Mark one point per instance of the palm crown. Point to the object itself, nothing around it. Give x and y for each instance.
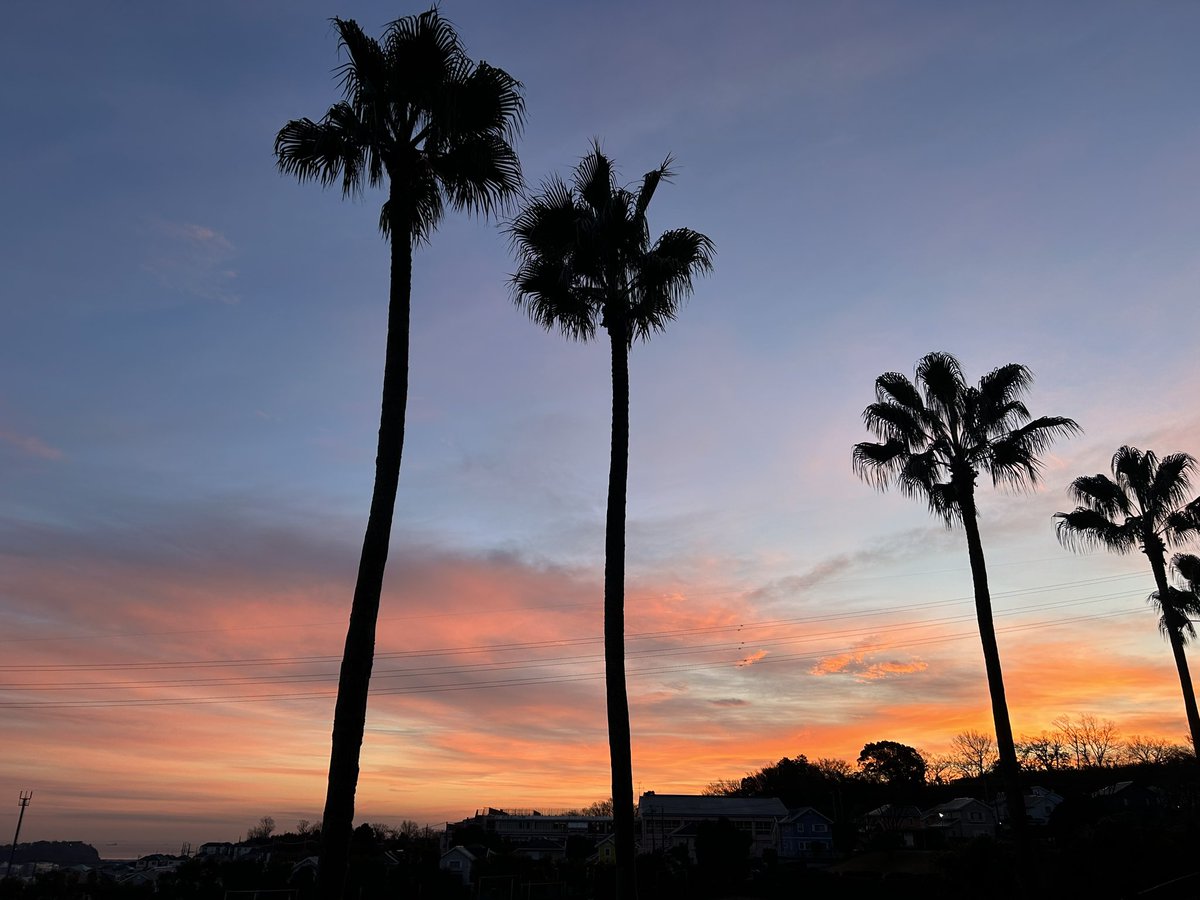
(586, 259)
(419, 111)
(938, 434)
(1143, 506)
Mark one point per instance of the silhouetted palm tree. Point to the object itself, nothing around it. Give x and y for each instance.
(936, 436)
(586, 261)
(421, 120)
(1144, 506)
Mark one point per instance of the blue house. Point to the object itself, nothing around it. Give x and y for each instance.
(805, 834)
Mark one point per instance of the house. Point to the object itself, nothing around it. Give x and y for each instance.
(458, 861)
(670, 820)
(806, 834)
(1040, 804)
(542, 848)
(961, 819)
(1126, 796)
(216, 848)
(521, 826)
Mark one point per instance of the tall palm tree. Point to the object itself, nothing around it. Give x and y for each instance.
(935, 437)
(1144, 506)
(586, 261)
(434, 129)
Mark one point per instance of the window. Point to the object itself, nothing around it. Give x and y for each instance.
(819, 827)
(976, 817)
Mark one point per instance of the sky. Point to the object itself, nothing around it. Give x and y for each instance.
(191, 358)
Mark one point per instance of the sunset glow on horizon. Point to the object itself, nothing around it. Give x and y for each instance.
(193, 352)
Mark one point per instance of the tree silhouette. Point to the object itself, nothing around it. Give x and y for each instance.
(935, 437)
(1143, 506)
(586, 261)
(893, 763)
(420, 119)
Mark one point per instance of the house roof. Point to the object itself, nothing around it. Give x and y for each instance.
(701, 807)
(796, 815)
(957, 805)
(1111, 789)
(895, 811)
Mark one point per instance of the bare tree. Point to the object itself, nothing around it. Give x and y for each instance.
(1141, 749)
(725, 787)
(262, 830)
(1092, 741)
(409, 829)
(599, 808)
(973, 754)
(938, 766)
(1046, 752)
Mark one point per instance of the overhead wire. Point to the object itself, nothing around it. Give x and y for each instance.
(732, 653)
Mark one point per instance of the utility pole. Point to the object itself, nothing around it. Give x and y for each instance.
(25, 797)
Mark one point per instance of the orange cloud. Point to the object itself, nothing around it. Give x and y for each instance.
(860, 667)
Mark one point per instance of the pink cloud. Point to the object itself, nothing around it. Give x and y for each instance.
(30, 445)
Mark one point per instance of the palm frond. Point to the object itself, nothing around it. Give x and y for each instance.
(650, 182)
(1133, 470)
(325, 152)
(942, 378)
(878, 463)
(1086, 528)
(548, 224)
(1181, 526)
(595, 179)
(664, 279)
(943, 503)
(1171, 482)
(888, 420)
(1101, 494)
(920, 475)
(424, 54)
(1004, 384)
(480, 174)
(894, 387)
(363, 78)
(1013, 458)
(1187, 567)
(551, 297)
(1176, 613)
(488, 101)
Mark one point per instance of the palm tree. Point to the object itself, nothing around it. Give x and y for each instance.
(1143, 506)
(420, 119)
(935, 437)
(586, 261)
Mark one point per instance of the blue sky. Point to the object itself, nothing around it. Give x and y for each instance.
(192, 351)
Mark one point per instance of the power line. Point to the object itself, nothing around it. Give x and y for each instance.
(735, 643)
(539, 679)
(563, 642)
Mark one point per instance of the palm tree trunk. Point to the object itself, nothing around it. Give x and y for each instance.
(358, 656)
(1010, 772)
(1159, 566)
(617, 699)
